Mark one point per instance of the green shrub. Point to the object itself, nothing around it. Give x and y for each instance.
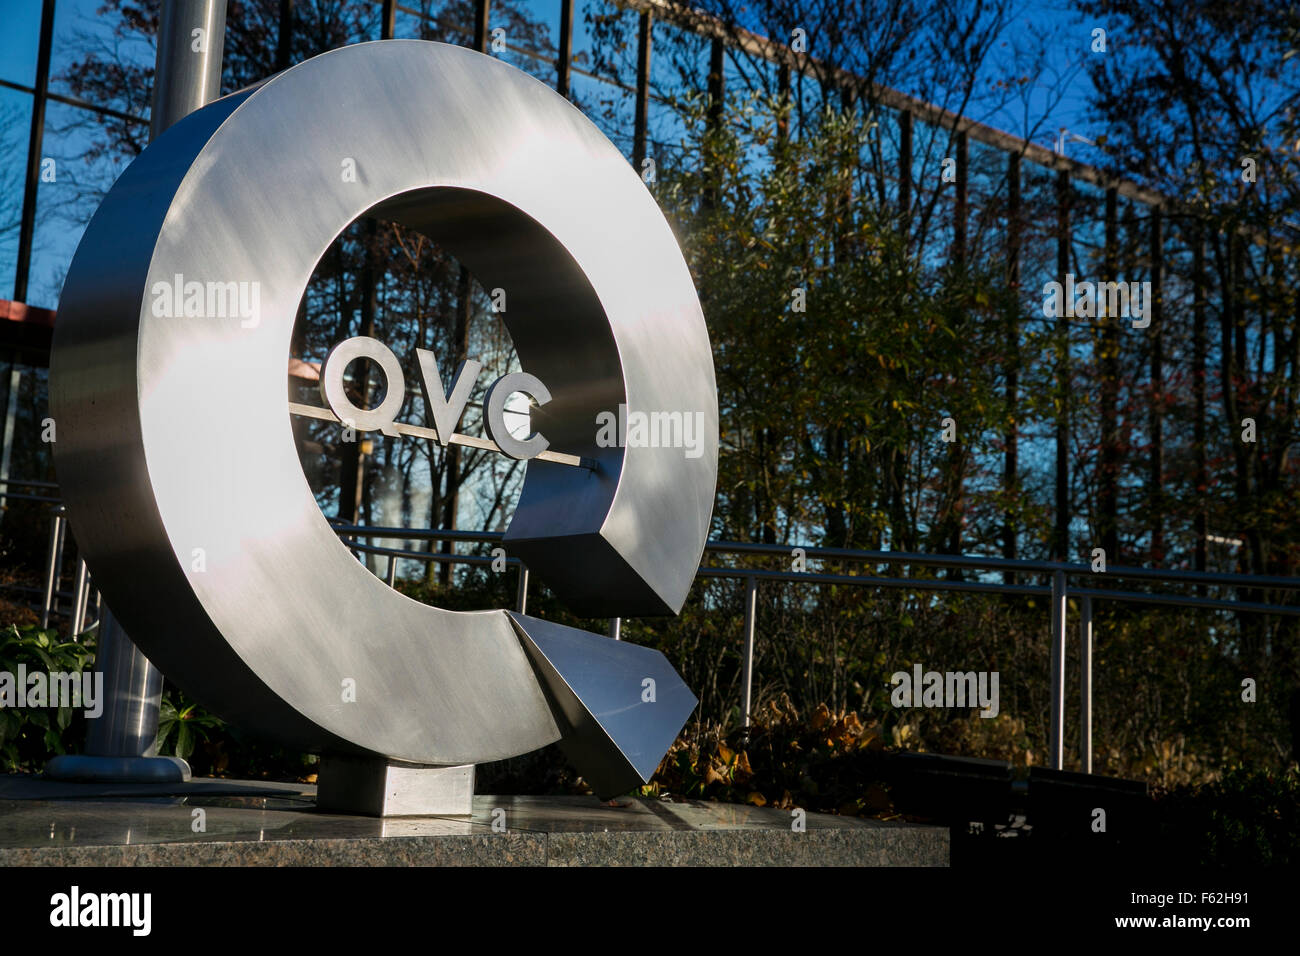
(1246, 818)
(30, 736)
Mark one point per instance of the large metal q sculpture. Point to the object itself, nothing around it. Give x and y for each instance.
(177, 460)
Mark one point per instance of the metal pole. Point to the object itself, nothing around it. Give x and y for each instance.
(84, 607)
(1156, 317)
(120, 744)
(392, 570)
(284, 41)
(1061, 528)
(1011, 439)
(58, 557)
(616, 628)
(11, 418)
(1056, 741)
(521, 596)
(566, 48)
(129, 728)
(27, 224)
(1085, 685)
(51, 566)
(186, 78)
(641, 121)
(482, 12)
(747, 669)
(78, 599)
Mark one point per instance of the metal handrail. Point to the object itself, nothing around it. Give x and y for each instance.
(1006, 564)
(972, 562)
(1059, 592)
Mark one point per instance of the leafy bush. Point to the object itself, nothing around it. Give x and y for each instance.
(183, 723)
(821, 762)
(31, 735)
(1246, 818)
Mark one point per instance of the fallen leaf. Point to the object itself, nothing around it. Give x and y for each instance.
(821, 717)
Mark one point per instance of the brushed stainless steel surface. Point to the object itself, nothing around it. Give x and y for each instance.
(187, 69)
(446, 407)
(379, 418)
(129, 727)
(121, 745)
(620, 705)
(494, 407)
(176, 455)
(377, 787)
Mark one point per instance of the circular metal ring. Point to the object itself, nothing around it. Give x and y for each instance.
(175, 451)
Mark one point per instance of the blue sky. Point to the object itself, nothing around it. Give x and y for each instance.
(1040, 115)
(57, 235)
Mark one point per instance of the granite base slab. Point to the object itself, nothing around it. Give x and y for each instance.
(253, 823)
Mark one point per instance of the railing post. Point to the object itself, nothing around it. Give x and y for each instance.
(1085, 685)
(616, 628)
(1061, 526)
(747, 671)
(52, 566)
(85, 601)
(78, 600)
(391, 580)
(1056, 741)
(11, 420)
(521, 596)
